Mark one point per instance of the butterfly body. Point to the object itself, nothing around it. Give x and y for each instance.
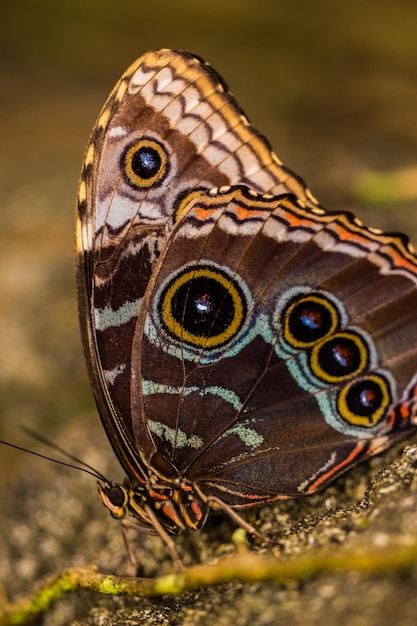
(243, 344)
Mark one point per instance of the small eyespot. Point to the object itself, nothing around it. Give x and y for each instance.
(145, 163)
(308, 320)
(203, 307)
(364, 402)
(340, 356)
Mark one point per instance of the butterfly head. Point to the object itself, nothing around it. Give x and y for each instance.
(115, 498)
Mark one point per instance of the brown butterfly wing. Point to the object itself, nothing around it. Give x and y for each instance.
(274, 353)
(169, 126)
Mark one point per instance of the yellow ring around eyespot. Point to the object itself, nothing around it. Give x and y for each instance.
(318, 370)
(196, 340)
(136, 180)
(289, 337)
(364, 420)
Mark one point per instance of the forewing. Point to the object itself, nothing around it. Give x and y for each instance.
(168, 127)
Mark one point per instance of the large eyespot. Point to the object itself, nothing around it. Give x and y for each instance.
(145, 163)
(202, 306)
(308, 320)
(364, 402)
(343, 355)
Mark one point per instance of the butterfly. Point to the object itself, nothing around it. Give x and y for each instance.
(243, 344)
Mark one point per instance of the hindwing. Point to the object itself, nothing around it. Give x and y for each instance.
(273, 350)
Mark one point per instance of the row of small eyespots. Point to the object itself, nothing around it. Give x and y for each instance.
(312, 322)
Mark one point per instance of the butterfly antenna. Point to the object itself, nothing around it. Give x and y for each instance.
(82, 465)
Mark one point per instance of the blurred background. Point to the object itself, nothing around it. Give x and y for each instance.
(332, 85)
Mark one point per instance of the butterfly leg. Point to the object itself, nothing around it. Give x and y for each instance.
(165, 538)
(217, 503)
(156, 530)
(130, 555)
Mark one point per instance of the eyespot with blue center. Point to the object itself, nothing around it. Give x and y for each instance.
(202, 307)
(200, 313)
(339, 356)
(145, 163)
(308, 319)
(364, 402)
